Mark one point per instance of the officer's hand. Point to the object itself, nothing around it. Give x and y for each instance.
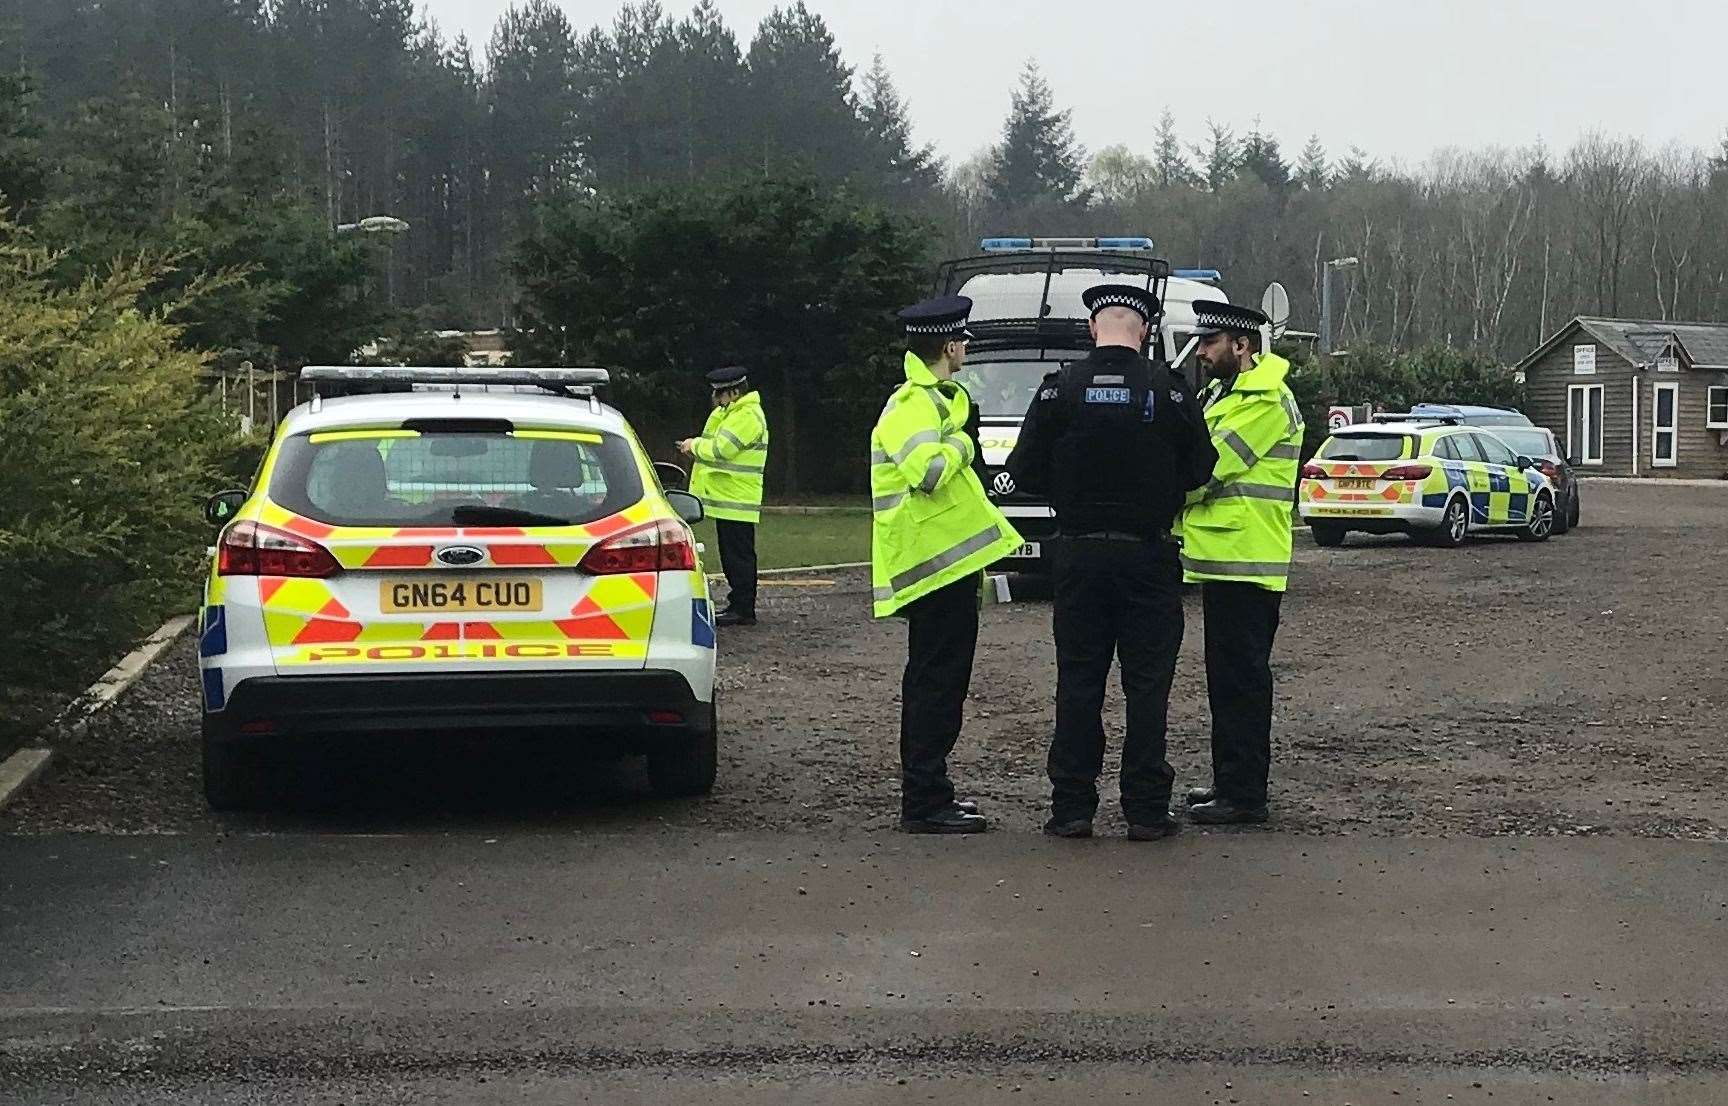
(684, 446)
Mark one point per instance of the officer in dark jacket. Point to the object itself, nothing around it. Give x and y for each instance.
(1116, 442)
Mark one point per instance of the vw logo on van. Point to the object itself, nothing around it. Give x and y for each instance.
(461, 556)
(1003, 484)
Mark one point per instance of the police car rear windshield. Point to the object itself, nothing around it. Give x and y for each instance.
(1366, 447)
(460, 477)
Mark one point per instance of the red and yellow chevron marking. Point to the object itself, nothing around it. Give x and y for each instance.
(402, 548)
(304, 612)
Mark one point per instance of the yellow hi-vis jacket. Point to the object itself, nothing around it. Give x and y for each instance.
(1237, 527)
(731, 456)
(932, 524)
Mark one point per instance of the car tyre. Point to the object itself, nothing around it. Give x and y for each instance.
(1573, 511)
(1454, 525)
(1563, 520)
(1327, 535)
(686, 769)
(233, 774)
(1541, 522)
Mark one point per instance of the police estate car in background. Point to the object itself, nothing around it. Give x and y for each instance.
(1436, 479)
(1028, 320)
(452, 557)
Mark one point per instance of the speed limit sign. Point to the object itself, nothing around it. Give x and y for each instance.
(1337, 418)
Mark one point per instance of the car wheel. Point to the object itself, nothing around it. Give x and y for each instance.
(1454, 525)
(1541, 522)
(685, 769)
(1327, 535)
(1572, 511)
(233, 774)
(1563, 520)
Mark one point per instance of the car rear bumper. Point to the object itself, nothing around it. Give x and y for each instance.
(1381, 518)
(613, 706)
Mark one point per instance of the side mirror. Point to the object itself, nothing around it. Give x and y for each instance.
(689, 508)
(1574, 461)
(1525, 462)
(221, 508)
(672, 478)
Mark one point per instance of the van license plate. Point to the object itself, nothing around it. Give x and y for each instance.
(459, 595)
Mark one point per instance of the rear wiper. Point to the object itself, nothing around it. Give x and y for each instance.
(479, 514)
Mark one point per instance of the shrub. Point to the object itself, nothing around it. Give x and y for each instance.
(108, 445)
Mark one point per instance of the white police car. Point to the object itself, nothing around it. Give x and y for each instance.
(451, 557)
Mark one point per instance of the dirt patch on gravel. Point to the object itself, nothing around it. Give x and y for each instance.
(1569, 688)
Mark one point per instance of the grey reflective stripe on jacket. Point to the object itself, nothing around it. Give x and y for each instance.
(729, 505)
(732, 466)
(922, 571)
(1278, 569)
(1277, 493)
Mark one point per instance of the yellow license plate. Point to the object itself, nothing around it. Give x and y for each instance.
(1356, 484)
(459, 595)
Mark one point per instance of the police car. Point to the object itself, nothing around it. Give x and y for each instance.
(1028, 320)
(1434, 479)
(476, 549)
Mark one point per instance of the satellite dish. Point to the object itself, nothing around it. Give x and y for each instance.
(1275, 305)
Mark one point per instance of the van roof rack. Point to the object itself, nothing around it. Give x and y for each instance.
(361, 379)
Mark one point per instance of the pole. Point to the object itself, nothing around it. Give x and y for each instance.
(1326, 309)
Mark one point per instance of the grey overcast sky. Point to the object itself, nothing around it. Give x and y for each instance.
(1396, 77)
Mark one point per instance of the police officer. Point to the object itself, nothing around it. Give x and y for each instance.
(933, 531)
(731, 457)
(1116, 442)
(1236, 545)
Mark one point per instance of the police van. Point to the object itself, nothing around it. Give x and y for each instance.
(1028, 320)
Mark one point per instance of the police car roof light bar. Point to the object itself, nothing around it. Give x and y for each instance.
(1008, 245)
(577, 382)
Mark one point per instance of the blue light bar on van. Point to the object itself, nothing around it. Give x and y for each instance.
(1004, 245)
(1208, 276)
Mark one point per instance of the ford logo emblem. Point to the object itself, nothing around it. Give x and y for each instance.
(1003, 484)
(461, 556)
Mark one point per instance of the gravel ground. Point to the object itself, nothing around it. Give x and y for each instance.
(1570, 688)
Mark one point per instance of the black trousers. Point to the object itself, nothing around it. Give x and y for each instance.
(1241, 621)
(1114, 599)
(738, 562)
(942, 635)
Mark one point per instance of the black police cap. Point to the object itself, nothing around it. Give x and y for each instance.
(1138, 300)
(1218, 317)
(939, 316)
(732, 376)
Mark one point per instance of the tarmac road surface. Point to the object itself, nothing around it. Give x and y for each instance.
(542, 968)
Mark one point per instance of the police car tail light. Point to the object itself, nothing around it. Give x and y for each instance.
(1313, 472)
(664, 546)
(1406, 472)
(253, 549)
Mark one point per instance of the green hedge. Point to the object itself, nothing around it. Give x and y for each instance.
(108, 446)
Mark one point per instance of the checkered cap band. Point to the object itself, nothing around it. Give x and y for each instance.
(1119, 299)
(952, 327)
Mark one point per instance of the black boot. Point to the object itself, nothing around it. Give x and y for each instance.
(1154, 831)
(952, 820)
(1073, 828)
(1227, 812)
(1198, 795)
(730, 617)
